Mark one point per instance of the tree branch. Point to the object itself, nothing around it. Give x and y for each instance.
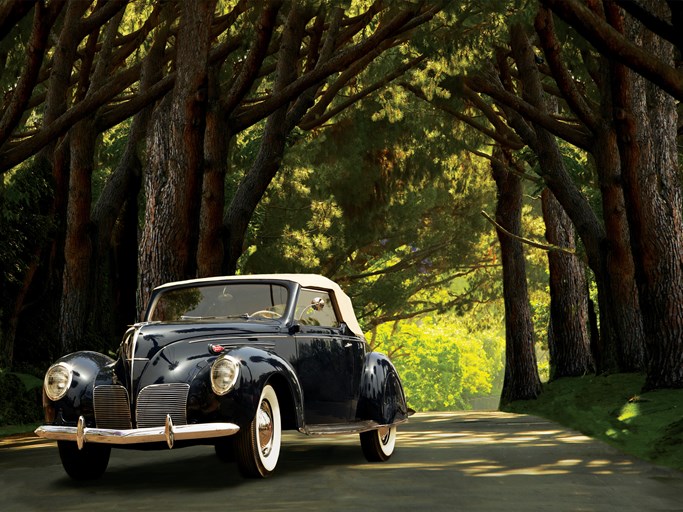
(611, 42)
(569, 133)
(551, 47)
(532, 243)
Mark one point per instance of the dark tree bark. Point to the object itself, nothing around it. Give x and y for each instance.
(168, 245)
(210, 251)
(77, 277)
(78, 290)
(620, 343)
(646, 121)
(57, 153)
(521, 371)
(216, 151)
(619, 273)
(272, 148)
(114, 217)
(44, 18)
(569, 339)
(611, 42)
(627, 321)
(11, 13)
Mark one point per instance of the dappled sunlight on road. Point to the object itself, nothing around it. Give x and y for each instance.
(469, 461)
(534, 438)
(448, 440)
(26, 442)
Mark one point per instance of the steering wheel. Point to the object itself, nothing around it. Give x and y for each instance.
(267, 313)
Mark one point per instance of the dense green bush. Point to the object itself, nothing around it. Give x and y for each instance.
(20, 399)
(444, 365)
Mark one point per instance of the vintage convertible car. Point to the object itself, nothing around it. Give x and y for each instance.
(229, 361)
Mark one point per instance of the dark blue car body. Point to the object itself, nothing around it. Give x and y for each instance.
(294, 364)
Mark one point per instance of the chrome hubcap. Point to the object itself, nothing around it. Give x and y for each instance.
(384, 434)
(264, 425)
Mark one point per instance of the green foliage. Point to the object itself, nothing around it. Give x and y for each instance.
(443, 364)
(384, 202)
(20, 398)
(109, 153)
(613, 408)
(25, 198)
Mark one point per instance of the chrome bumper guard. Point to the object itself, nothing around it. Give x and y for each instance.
(169, 433)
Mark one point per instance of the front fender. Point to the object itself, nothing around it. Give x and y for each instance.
(381, 393)
(89, 369)
(257, 368)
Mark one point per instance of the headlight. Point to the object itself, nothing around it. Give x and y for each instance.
(224, 374)
(57, 381)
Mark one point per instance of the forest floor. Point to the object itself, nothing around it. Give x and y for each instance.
(614, 409)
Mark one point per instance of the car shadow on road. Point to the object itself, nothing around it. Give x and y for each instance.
(131, 471)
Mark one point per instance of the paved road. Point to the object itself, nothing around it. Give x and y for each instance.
(477, 461)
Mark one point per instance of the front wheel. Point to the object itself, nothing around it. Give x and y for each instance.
(258, 447)
(89, 463)
(378, 445)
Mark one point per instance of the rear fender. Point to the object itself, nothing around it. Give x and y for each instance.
(381, 394)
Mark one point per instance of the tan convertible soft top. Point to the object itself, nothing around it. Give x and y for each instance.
(305, 280)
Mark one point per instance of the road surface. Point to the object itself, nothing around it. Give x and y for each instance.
(471, 461)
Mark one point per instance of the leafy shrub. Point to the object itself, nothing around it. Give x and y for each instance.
(20, 399)
(443, 365)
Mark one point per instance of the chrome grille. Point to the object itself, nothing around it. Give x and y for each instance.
(156, 401)
(112, 407)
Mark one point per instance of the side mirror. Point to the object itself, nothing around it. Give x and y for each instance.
(294, 328)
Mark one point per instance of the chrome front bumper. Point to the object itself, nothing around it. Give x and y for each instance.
(169, 433)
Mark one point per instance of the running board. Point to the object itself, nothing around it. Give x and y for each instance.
(332, 429)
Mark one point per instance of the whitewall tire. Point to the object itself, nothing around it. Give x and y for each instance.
(258, 447)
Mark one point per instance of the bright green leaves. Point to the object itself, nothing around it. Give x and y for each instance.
(444, 365)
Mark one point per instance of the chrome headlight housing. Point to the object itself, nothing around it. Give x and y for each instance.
(57, 381)
(224, 374)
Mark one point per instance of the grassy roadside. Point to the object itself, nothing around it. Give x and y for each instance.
(613, 408)
(9, 430)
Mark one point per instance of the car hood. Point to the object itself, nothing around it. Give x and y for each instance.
(153, 337)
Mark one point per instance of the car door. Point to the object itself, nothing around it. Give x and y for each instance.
(325, 360)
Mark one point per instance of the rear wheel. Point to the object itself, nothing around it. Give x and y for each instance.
(89, 463)
(378, 445)
(257, 448)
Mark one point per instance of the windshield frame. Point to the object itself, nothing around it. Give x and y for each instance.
(229, 317)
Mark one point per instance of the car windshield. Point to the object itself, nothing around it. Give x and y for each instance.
(220, 302)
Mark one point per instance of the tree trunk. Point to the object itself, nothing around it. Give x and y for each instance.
(123, 272)
(216, 150)
(569, 340)
(168, 245)
(646, 121)
(272, 148)
(76, 281)
(619, 313)
(521, 372)
(625, 314)
(115, 214)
